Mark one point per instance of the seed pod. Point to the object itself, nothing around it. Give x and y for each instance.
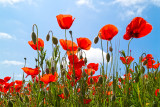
(54, 40)
(145, 62)
(108, 57)
(110, 49)
(85, 60)
(47, 37)
(142, 70)
(47, 70)
(66, 92)
(53, 70)
(33, 36)
(96, 39)
(100, 80)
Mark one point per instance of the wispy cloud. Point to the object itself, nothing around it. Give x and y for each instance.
(92, 55)
(18, 75)
(6, 36)
(13, 2)
(16, 63)
(156, 2)
(88, 3)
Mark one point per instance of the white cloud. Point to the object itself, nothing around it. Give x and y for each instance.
(156, 2)
(7, 62)
(88, 3)
(128, 2)
(13, 2)
(18, 75)
(5, 36)
(94, 55)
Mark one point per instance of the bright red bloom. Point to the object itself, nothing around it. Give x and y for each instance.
(64, 21)
(2, 81)
(34, 46)
(18, 82)
(84, 43)
(156, 66)
(93, 66)
(6, 79)
(47, 78)
(156, 92)
(90, 71)
(67, 45)
(95, 79)
(137, 28)
(107, 32)
(86, 101)
(127, 60)
(31, 71)
(78, 74)
(150, 61)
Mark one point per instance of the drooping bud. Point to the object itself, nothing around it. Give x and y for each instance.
(70, 32)
(142, 69)
(79, 49)
(84, 73)
(137, 79)
(33, 36)
(85, 60)
(108, 57)
(52, 70)
(66, 92)
(145, 62)
(81, 56)
(100, 80)
(47, 70)
(47, 37)
(63, 71)
(54, 40)
(110, 49)
(96, 39)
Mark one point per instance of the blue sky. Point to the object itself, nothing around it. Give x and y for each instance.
(18, 16)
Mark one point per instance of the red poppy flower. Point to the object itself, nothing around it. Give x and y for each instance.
(67, 45)
(127, 60)
(107, 32)
(2, 81)
(19, 82)
(31, 71)
(78, 74)
(90, 71)
(95, 79)
(84, 43)
(137, 28)
(156, 92)
(64, 21)
(86, 101)
(6, 79)
(150, 60)
(47, 78)
(34, 46)
(93, 66)
(156, 66)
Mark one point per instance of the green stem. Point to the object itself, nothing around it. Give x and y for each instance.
(128, 46)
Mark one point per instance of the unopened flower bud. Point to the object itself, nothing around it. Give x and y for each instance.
(108, 57)
(110, 49)
(142, 69)
(84, 73)
(63, 72)
(61, 66)
(79, 49)
(70, 32)
(47, 70)
(66, 92)
(81, 56)
(96, 39)
(52, 70)
(54, 40)
(91, 80)
(47, 37)
(100, 80)
(145, 62)
(33, 36)
(85, 60)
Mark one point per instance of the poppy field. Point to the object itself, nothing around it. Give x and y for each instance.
(70, 81)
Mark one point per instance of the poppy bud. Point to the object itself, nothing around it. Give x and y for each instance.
(145, 62)
(108, 57)
(70, 32)
(61, 66)
(47, 70)
(85, 60)
(79, 49)
(113, 98)
(91, 80)
(110, 49)
(66, 92)
(142, 69)
(52, 70)
(54, 40)
(123, 53)
(33, 36)
(81, 57)
(100, 80)
(137, 79)
(47, 37)
(63, 72)
(96, 39)
(84, 73)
